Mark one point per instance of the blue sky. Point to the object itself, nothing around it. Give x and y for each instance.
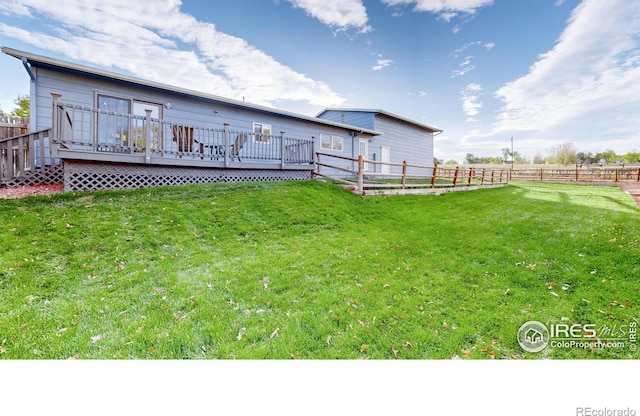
(544, 72)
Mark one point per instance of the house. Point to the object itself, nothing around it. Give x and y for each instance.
(95, 129)
(403, 140)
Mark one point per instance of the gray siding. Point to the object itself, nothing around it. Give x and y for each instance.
(407, 142)
(81, 90)
(355, 118)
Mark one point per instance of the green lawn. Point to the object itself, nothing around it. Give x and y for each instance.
(307, 270)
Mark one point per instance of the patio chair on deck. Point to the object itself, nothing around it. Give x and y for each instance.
(184, 136)
(234, 149)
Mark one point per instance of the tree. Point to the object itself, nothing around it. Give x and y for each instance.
(585, 157)
(608, 155)
(538, 159)
(631, 157)
(565, 154)
(23, 102)
(451, 162)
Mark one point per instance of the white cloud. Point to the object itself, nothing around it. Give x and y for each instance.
(593, 72)
(464, 67)
(343, 14)
(142, 38)
(381, 64)
(489, 45)
(446, 9)
(470, 100)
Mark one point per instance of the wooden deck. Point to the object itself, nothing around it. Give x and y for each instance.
(140, 146)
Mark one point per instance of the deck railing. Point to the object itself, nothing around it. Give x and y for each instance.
(370, 176)
(86, 129)
(26, 155)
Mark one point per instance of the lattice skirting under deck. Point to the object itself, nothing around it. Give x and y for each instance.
(88, 176)
(48, 175)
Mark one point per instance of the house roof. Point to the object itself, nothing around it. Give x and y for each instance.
(427, 127)
(47, 62)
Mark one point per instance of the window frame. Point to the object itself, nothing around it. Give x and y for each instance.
(262, 137)
(336, 143)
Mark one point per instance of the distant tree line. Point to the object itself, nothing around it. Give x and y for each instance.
(565, 154)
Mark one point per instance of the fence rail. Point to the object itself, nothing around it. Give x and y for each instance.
(366, 179)
(604, 174)
(11, 126)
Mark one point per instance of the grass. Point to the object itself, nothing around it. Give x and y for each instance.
(307, 270)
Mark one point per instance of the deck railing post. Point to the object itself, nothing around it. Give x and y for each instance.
(55, 117)
(282, 150)
(226, 145)
(404, 173)
(147, 133)
(455, 176)
(360, 174)
(433, 177)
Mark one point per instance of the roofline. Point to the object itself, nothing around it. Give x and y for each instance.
(428, 127)
(65, 65)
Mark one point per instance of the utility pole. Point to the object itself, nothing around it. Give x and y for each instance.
(512, 155)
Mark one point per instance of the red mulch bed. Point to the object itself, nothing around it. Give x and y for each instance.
(12, 192)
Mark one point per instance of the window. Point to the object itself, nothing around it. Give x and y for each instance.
(113, 130)
(117, 129)
(261, 132)
(331, 142)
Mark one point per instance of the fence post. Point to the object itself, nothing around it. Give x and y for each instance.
(576, 173)
(616, 174)
(540, 173)
(404, 173)
(470, 176)
(360, 174)
(638, 174)
(493, 174)
(482, 179)
(282, 149)
(226, 145)
(455, 176)
(433, 177)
